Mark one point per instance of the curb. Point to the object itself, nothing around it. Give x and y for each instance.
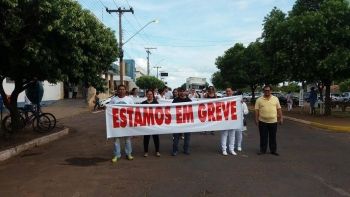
(6, 154)
(332, 128)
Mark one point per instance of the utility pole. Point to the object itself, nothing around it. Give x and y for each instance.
(157, 67)
(148, 52)
(120, 11)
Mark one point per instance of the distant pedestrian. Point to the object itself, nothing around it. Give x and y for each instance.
(267, 113)
(313, 100)
(289, 98)
(168, 94)
(146, 138)
(161, 94)
(176, 136)
(75, 91)
(97, 101)
(121, 98)
(193, 94)
(134, 93)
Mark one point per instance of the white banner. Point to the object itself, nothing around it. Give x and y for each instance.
(165, 118)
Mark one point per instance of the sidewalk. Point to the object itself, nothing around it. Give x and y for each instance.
(26, 139)
(338, 121)
(66, 108)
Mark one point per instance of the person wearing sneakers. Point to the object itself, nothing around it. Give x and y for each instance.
(238, 133)
(150, 100)
(121, 98)
(176, 136)
(267, 113)
(228, 135)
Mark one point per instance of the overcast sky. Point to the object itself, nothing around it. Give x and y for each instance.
(190, 34)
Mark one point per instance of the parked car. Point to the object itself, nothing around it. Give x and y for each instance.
(335, 97)
(345, 97)
(248, 96)
(282, 99)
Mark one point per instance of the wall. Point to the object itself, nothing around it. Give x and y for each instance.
(51, 91)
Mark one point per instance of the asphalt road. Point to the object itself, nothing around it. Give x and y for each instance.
(312, 163)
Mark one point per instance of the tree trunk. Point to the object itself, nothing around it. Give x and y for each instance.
(320, 87)
(11, 104)
(328, 107)
(253, 88)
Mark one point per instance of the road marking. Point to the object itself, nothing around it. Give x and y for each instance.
(95, 112)
(336, 189)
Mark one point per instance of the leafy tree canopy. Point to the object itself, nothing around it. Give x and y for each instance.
(51, 40)
(149, 82)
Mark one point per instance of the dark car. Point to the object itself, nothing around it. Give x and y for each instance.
(282, 99)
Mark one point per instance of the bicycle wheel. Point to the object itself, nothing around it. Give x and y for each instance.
(8, 126)
(41, 123)
(52, 119)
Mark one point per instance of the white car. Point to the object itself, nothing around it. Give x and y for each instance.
(106, 101)
(335, 97)
(345, 97)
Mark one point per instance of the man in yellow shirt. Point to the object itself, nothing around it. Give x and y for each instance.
(267, 113)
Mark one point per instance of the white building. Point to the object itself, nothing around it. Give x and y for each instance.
(52, 92)
(196, 83)
(140, 72)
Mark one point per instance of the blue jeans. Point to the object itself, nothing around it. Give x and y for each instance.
(128, 148)
(186, 146)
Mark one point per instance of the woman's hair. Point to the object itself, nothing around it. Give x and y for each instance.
(150, 90)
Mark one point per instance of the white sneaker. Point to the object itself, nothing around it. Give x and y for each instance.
(233, 152)
(239, 149)
(224, 153)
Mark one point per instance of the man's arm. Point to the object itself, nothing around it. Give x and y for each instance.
(256, 116)
(280, 116)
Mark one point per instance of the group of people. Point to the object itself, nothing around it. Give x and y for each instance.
(267, 114)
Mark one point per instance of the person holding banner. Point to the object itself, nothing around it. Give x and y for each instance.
(267, 113)
(175, 93)
(228, 135)
(239, 133)
(176, 136)
(210, 95)
(121, 98)
(146, 138)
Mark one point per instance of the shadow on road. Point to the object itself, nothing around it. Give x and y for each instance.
(80, 161)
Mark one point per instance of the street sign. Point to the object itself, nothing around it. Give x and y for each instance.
(162, 74)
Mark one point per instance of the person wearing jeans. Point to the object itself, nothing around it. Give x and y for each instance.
(121, 98)
(176, 136)
(267, 113)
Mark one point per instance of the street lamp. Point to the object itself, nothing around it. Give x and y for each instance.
(121, 70)
(153, 21)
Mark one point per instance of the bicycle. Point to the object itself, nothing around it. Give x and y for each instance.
(41, 122)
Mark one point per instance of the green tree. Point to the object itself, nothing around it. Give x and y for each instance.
(218, 81)
(315, 43)
(344, 86)
(51, 40)
(249, 66)
(149, 82)
(291, 87)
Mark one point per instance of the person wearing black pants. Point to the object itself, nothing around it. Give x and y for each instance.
(267, 113)
(150, 100)
(146, 139)
(268, 136)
